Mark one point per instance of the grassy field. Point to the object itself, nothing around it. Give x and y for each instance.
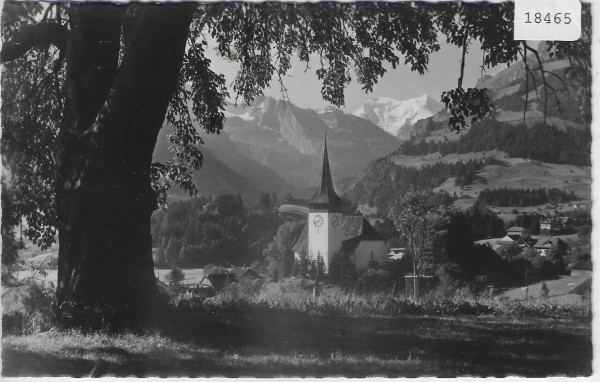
(288, 343)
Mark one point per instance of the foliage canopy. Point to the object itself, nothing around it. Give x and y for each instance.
(345, 41)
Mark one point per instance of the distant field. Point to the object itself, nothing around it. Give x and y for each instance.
(418, 161)
(559, 289)
(522, 174)
(192, 276)
(275, 343)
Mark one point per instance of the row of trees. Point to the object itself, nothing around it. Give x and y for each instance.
(537, 142)
(384, 181)
(512, 197)
(211, 230)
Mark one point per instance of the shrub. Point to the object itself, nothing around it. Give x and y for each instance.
(175, 277)
(544, 291)
(287, 297)
(245, 289)
(33, 312)
(584, 230)
(375, 280)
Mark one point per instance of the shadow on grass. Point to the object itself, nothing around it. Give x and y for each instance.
(279, 343)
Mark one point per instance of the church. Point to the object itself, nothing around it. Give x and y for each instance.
(330, 234)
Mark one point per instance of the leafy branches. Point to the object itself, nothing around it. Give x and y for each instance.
(262, 37)
(198, 103)
(40, 35)
(466, 106)
(418, 222)
(33, 104)
(490, 24)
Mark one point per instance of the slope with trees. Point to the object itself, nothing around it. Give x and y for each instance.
(212, 230)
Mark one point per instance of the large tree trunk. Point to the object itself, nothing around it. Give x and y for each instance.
(104, 194)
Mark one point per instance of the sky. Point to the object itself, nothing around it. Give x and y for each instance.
(304, 89)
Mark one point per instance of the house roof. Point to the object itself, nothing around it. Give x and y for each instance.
(489, 242)
(544, 242)
(241, 272)
(354, 230)
(396, 253)
(506, 240)
(527, 240)
(564, 219)
(515, 230)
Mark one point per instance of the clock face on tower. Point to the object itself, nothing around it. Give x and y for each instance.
(335, 221)
(318, 221)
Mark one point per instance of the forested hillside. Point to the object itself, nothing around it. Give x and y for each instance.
(572, 146)
(510, 197)
(383, 182)
(388, 178)
(212, 230)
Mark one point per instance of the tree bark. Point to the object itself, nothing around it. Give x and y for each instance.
(104, 194)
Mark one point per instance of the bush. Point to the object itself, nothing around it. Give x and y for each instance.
(175, 277)
(374, 280)
(245, 289)
(544, 291)
(584, 230)
(335, 302)
(33, 312)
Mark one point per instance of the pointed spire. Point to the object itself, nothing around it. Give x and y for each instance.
(326, 196)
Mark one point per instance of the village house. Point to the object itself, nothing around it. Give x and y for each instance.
(543, 245)
(396, 254)
(552, 225)
(547, 226)
(515, 233)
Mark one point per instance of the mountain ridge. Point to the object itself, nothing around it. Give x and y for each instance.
(396, 117)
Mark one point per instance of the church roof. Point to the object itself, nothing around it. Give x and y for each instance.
(326, 194)
(354, 230)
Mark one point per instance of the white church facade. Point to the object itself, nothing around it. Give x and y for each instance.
(330, 234)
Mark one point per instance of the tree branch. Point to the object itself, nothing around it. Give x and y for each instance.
(34, 36)
(464, 53)
(544, 82)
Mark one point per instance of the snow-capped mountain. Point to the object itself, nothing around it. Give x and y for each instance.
(396, 117)
(289, 139)
(276, 146)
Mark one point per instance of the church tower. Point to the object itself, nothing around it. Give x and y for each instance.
(325, 218)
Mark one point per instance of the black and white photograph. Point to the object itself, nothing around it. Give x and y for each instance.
(297, 189)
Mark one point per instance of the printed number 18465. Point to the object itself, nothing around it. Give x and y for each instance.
(538, 18)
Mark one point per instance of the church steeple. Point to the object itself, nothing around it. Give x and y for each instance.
(326, 197)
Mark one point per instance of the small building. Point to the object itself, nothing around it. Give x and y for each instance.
(396, 254)
(481, 278)
(543, 245)
(506, 240)
(514, 233)
(547, 226)
(492, 243)
(221, 279)
(526, 242)
(565, 223)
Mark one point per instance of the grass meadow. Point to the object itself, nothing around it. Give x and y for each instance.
(280, 332)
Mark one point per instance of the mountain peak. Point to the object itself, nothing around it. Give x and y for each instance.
(392, 115)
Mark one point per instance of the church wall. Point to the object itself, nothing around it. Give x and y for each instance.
(363, 253)
(324, 236)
